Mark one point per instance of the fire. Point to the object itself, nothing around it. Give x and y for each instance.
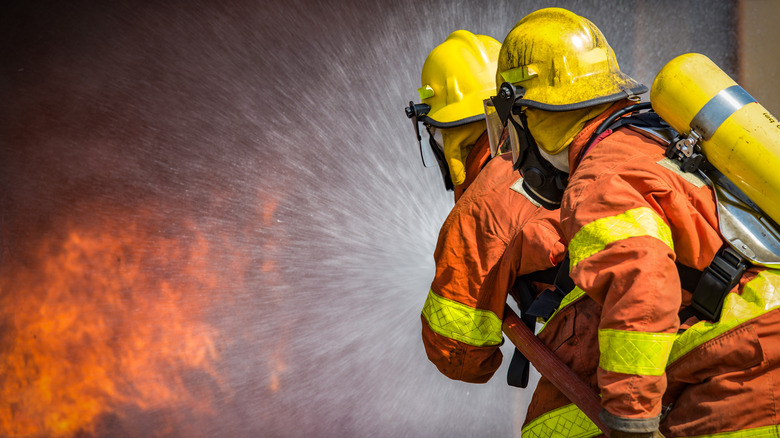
(103, 320)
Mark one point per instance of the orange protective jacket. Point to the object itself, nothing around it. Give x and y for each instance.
(462, 316)
(628, 215)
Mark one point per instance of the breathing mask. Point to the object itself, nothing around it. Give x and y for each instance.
(541, 180)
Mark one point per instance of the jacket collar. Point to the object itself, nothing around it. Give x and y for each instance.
(576, 148)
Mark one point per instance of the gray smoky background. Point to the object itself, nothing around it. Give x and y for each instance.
(214, 220)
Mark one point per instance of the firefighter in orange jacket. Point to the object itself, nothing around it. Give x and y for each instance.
(461, 323)
(630, 217)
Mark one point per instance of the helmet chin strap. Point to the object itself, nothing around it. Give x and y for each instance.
(541, 179)
(442, 162)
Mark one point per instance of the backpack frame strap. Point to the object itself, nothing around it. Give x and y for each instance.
(716, 282)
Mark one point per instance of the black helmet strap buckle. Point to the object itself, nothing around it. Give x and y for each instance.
(505, 100)
(415, 112)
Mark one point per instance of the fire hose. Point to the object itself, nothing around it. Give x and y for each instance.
(552, 367)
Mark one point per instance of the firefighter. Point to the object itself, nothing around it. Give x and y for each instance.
(462, 316)
(631, 220)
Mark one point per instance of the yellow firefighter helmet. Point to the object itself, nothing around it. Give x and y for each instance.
(562, 62)
(457, 76)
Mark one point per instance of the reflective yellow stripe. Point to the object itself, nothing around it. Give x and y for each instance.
(460, 322)
(759, 432)
(632, 352)
(518, 74)
(759, 296)
(568, 299)
(596, 235)
(425, 92)
(568, 421)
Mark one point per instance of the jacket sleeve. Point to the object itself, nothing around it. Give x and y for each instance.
(622, 254)
(462, 315)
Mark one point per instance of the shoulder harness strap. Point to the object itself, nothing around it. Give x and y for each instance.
(532, 307)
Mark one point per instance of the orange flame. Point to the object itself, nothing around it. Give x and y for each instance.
(102, 319)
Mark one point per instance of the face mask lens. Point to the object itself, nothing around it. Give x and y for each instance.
(495, 128)
(436, 134)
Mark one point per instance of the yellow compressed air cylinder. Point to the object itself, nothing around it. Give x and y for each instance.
(739, 136)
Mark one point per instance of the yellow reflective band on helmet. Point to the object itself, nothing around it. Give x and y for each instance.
(568, 421)
(596, 235)
(571, 297)
(759, 432)
(518, 74)
(759, 296)
(425, 92)
(632, 352)
(462, 323)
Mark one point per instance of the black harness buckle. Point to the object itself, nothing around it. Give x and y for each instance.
(716, 281)
(550, 299)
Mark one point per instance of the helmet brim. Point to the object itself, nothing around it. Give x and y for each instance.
(601, 88)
